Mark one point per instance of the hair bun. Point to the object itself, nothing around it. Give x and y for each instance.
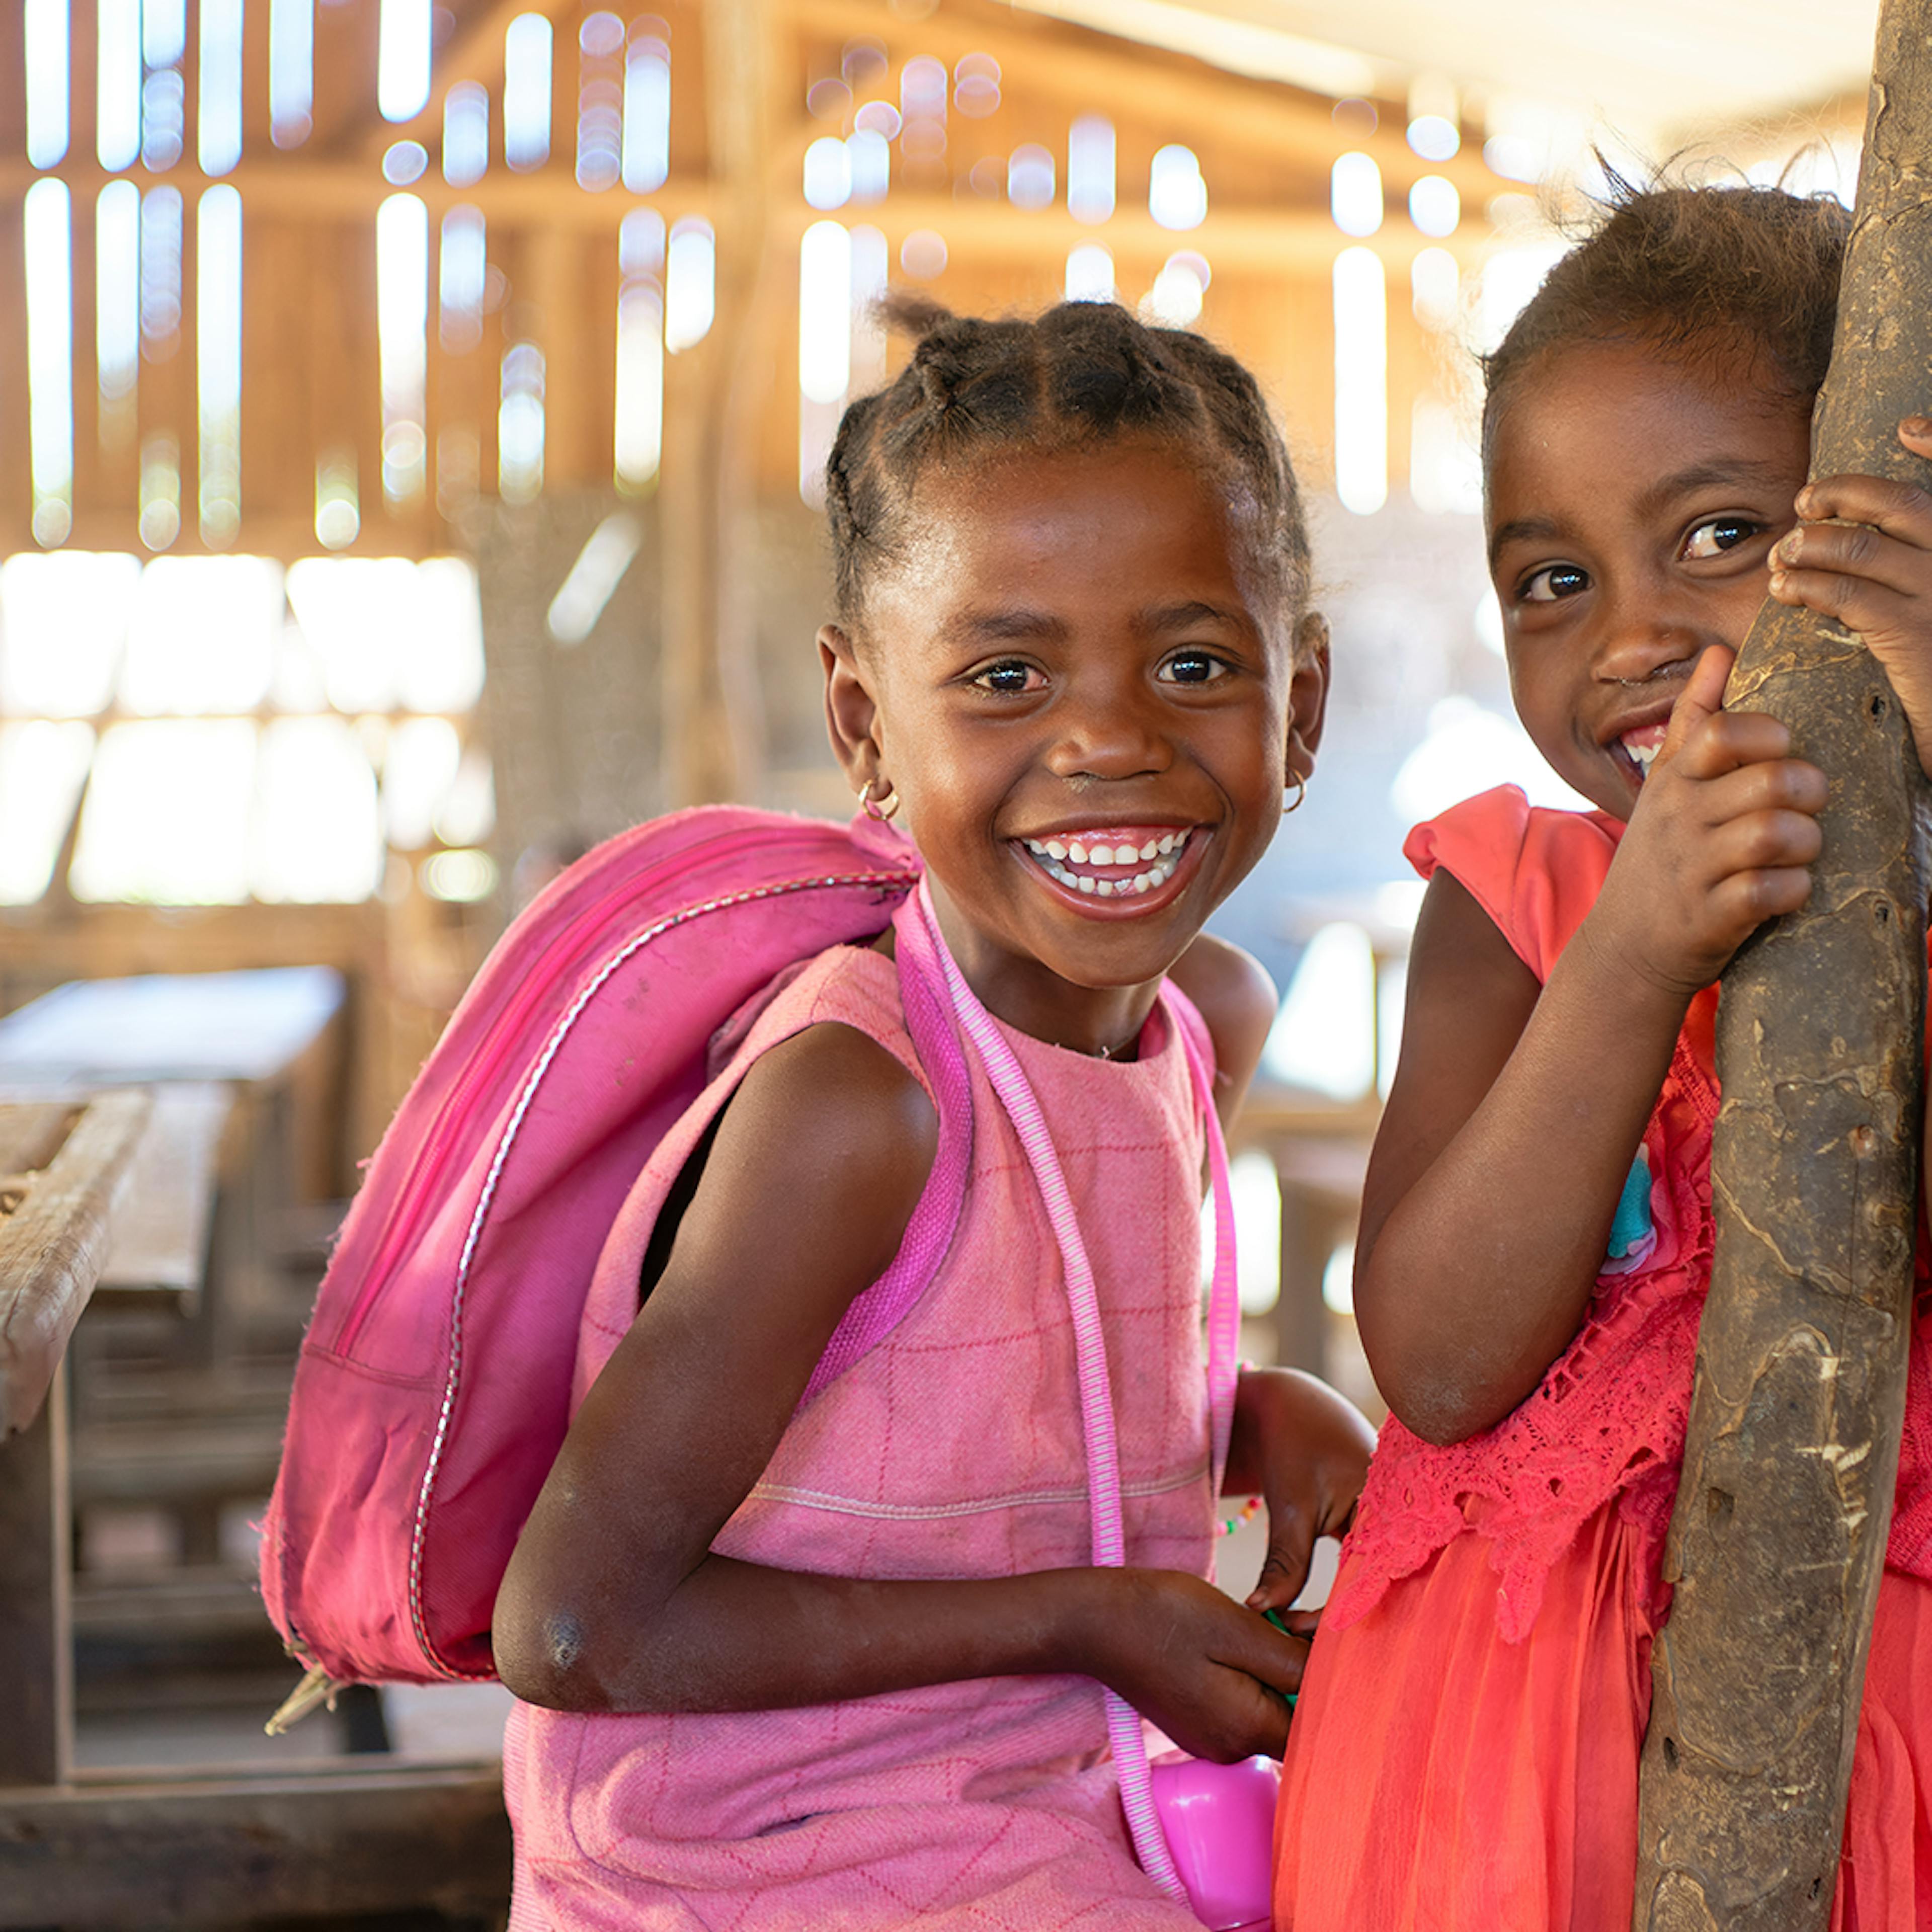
(904, 313)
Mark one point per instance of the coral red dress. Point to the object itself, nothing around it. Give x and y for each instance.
(1464, 1756)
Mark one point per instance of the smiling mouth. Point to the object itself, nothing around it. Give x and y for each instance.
(1641, 746)
(1124, 864)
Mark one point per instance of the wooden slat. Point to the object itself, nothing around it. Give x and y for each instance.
(52, 1247)
(160, 1230)
(203, 1851)
(36, 1644)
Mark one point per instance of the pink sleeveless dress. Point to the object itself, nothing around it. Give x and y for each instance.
(1464, 1755)
(953, 1449)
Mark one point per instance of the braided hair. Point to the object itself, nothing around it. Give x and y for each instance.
(1082, 373)
(1704, 272)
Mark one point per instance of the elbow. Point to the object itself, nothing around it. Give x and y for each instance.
(544, 1656)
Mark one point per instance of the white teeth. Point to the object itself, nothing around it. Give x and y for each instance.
(1165, 852)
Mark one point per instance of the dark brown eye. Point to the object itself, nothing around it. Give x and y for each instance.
(1719, 535)
(1552, 583)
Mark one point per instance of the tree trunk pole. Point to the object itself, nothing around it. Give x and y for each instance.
(1783, 1506)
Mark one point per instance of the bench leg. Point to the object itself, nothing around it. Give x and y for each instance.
(36, 1615)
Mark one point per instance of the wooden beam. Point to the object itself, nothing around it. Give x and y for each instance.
(36, 1637)
(53, 1240)
(1778, 1539)
(186, 1853)
(1090, 72)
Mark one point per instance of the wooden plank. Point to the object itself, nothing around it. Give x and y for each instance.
(160, 1228)
(36, 1644)
(139, 1462)
(51, 1246)
(197, 1852)
(31, 1134)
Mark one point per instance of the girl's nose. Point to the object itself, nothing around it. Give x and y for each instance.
(1113, 734)
(1636, 645)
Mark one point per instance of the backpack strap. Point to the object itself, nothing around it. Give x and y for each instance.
(1009, 1080)
(879, 1309)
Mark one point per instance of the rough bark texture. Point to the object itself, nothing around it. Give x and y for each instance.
(1783, 1509)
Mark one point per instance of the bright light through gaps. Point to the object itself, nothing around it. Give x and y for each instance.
(593, 579)
(1434, 205)
(47, 225)
(870, 156)
(163, 32)
(1177, 195)
(316, 832)
(1324, 1036)
(520, 425)
(690, 284)
(828, 173)
(291, 70)
(117, 98)
(218, 109)
(1355, 194)
(1089, 169)
(218, 358)
(872, 265)
(203, 636)
(526, 58)
(1361, 381)
(1090, 274)
(824, 312)
(1435, 282)
(1445, 470)
(646, 115)
(640, 411)
(1175, 299)
(166, 818)
(160, 271)
(465, 133)
(42, 766)
(463, 267)
(402, 329)
(117, 305)
(63, 623)
(1030, 176)
(403, 59)
(48, 58)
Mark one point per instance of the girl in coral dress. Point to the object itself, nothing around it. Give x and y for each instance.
(1536, 1233)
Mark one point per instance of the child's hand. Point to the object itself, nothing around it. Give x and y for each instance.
(1723, 828)
(1304, 1450)
(1215, 1677)
(1871, 568)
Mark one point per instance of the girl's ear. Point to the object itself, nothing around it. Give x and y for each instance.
(1307, 695)
(851, 712)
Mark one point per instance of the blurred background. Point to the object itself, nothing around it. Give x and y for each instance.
(411, 413)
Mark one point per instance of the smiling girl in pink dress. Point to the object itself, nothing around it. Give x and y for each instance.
(840, 1663)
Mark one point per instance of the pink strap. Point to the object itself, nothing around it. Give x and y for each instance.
(1096, 1408)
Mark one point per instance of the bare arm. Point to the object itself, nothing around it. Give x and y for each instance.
(1515, 1112)
(613, 1600)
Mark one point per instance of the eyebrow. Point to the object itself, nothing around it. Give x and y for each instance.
(997, 627)
(1743, 473)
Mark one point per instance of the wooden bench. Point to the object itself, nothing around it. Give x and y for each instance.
(166, 1850)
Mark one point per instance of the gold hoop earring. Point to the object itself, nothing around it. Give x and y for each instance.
(1300, 793)
(881, 808)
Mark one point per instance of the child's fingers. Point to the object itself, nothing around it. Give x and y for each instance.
(1290, 1544)
(1702, 697)
(1860, 603)
(1745, 900)
(1898, 509)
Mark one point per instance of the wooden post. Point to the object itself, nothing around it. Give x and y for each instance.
(710, 733)
(1785, 1500)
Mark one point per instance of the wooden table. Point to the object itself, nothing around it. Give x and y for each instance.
(63, 1166)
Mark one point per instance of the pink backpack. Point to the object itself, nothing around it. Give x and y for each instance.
(432, 1391)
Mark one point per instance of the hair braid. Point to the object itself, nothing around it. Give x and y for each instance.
(1080, 373)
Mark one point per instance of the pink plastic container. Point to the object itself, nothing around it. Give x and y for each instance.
(1219, 1819)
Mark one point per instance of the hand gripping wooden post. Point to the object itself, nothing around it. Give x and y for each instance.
(1785, 1500)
